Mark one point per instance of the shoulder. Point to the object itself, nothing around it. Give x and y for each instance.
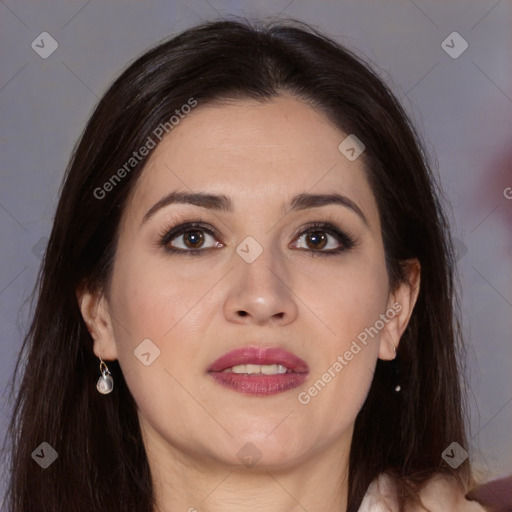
(380, 496)
(440, 493)
(437, 495)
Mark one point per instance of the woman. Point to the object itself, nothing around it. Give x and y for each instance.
(247, 300)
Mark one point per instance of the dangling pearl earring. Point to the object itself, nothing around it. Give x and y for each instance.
(395, 370)
(105, 383)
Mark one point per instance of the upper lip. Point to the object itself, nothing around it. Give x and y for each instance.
(255, 355)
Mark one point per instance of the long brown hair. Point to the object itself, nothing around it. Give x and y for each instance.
(102, 465)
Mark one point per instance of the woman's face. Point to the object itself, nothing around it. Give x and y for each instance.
(255, 275)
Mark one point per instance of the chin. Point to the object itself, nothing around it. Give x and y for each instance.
(274, 451)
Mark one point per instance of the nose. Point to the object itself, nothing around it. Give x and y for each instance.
(261, 292)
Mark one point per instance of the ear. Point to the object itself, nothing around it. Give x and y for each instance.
(400, 306)
(95, 312)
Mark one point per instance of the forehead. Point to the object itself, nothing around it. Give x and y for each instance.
(258, 153)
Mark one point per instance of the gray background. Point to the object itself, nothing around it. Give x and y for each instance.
(462, 107)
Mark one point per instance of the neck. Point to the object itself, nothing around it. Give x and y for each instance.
(183, 482)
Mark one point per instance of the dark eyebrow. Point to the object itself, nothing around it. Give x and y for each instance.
(304, 201)
(224, 203)
(210, 201)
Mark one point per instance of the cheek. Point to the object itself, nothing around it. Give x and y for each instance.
(350, 297)
(160, 303)
(151, 303)
(152, 299)
(351, 302)
(337, 390)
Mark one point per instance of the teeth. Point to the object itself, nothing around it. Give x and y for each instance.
(255, 369)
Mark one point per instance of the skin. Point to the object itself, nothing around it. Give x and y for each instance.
(196, 308)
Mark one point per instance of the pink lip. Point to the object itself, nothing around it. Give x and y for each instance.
(261, 385)
(254, 355)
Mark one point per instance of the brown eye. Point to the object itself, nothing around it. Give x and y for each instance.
(323, 238)
(316, 240)
(193, 239)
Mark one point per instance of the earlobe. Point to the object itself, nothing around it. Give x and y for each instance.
(95, 312)
(401, 302)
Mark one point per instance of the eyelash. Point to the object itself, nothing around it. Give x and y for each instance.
(168, 234)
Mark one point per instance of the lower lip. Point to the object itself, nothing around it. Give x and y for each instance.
(259, 385)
